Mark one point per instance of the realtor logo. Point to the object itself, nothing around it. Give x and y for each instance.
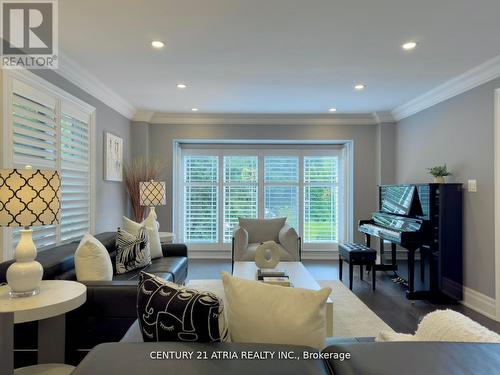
(29, 34)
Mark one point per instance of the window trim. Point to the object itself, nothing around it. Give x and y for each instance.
(237, 147)
(32, 80)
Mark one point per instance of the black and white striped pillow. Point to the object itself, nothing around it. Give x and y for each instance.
(132, 251)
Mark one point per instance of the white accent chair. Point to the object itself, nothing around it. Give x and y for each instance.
(250, 233)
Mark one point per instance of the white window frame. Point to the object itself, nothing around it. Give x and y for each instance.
(32, 80)
(261, 149)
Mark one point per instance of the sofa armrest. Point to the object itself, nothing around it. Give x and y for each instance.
(116, 299)
(240, 242)
(174, 250)
(107, 314)
(289, 239)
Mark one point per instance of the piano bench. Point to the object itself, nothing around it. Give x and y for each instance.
(357, 254)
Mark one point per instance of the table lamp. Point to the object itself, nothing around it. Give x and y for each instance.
(28, 197)
(152, 194)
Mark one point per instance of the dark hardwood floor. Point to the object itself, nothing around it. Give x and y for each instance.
(388, 301)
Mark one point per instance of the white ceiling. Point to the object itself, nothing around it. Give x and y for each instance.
(277, 56)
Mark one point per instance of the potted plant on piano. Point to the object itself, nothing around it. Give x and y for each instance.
(439, 172)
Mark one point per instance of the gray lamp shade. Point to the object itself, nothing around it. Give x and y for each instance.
(29, 197)
(152, 193)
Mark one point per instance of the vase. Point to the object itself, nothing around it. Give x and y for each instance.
(439, 180)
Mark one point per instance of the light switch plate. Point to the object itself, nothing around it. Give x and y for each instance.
(472, 186)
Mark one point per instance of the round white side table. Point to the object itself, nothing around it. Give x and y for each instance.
(56, 298)
(167, 237)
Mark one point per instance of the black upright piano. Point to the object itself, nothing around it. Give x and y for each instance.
(426, 218)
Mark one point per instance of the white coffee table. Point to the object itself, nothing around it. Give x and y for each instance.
(56, 298)
(299, 277)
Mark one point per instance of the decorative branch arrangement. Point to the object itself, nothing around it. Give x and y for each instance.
(140, 170)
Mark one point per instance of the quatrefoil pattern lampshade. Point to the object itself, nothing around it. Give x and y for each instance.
(29, 197)
(152, 193)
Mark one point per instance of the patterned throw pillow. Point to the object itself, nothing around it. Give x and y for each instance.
(132, 251)
(170, 312)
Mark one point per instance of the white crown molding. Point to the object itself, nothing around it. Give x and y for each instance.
(262, 119)
(462, 83)
(383, 117)
(143, 116)
(74, 73)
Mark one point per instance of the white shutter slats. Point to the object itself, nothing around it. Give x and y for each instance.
(30, 113)
(200, 214)
(32, 125)
(51, 130)
(320, 169)
(281, 169)
(282, 201)
(239, 201)
(75, 176)
(34, 142)
(240, 191)
(200, 199)
(201, 169)
(33, 130)
(320, 199)
(281, 192)
(300, 185)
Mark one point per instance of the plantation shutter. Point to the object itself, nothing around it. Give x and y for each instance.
(52, 131)
(201, 199)
(75, 172)
(35, 142)
(281, 191)
(320, 199)
(240, 191)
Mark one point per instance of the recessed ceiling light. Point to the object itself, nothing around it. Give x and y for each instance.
(360, 86)
(157, 44)
(409, 45)
(333, 109)
(194, 109)
(181, 85)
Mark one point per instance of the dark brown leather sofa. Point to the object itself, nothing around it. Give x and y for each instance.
(110, 307)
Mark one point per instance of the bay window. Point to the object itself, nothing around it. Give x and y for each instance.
(219, 184)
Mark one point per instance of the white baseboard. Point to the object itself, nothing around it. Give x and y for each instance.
(306, 255)
(479, 302)
(209, 254)
(320, 255)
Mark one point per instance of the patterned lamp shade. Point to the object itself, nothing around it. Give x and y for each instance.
(152, 193)
(29, 197)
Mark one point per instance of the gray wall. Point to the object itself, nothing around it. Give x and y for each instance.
(111, 198)
(386, 137)
(458, 132)
(364, 136)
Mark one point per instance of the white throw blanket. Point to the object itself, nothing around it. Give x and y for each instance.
(445, 325)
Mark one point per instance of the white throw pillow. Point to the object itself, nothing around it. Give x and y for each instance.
(92, 260)
(262, 313)
(151, 226)
(445, 325)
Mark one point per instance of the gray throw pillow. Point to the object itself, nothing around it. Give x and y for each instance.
(262, 230)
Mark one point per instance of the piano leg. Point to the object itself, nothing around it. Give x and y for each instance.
(382, 251)
(361, 272)
(422, 265)
(393, 255)
(411, 274)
